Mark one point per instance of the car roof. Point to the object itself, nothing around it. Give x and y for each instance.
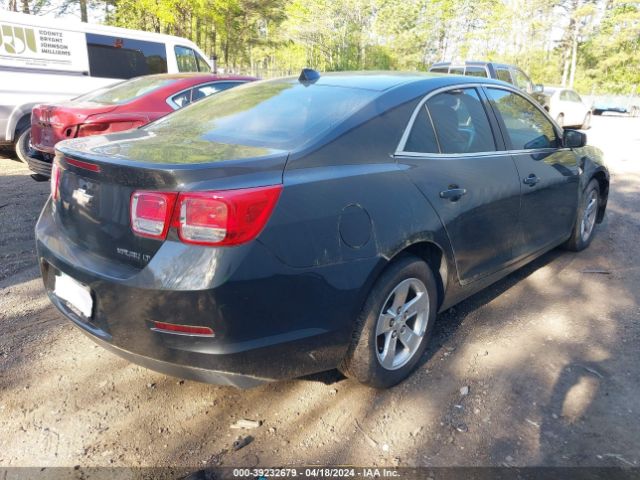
(472, 63)
(382, 81)
(189, 79)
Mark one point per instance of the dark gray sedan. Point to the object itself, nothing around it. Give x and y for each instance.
(291, 226)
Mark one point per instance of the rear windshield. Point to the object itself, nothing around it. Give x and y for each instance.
(282, 114)
(125, 92)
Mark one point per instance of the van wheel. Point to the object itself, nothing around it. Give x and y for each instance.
(23, 144)
(586, 219)
(395, 325)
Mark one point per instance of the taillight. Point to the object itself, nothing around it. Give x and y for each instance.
(151, 213)
(88, 129)
(55, 180)
(226, 217)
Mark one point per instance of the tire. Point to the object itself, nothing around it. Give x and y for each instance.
(584, 228)
(370, 359)
(22, 144)
(597, 112)
(586, 124)
(560, 119)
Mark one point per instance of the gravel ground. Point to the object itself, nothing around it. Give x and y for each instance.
(540, 369)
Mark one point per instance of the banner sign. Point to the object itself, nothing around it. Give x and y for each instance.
(46, 48)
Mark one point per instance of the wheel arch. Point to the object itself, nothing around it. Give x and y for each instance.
(603, 183)
(20, 116)
(433, 255)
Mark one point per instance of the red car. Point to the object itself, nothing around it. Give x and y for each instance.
(116, 108)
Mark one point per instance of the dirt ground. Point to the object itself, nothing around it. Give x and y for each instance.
(549, 355)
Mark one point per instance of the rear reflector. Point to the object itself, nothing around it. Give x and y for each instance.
(55, 180)
(226, 217)
(182, 329)
(151, 213)
(92, 167)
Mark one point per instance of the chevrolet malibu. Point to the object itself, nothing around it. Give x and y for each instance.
(297, 225)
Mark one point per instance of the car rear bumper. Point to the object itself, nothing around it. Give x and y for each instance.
(271, 322)
(40, 164)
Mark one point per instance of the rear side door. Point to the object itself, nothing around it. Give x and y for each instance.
(450, 151)
(549, 174)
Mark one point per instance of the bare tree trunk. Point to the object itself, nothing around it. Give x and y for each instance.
(25, 6)
(83, 11)
(13, 6)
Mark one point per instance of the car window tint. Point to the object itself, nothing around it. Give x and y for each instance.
(422, 138)
(527, 127)
(202, 64)
(461, 122)
(503, 74)
(439, 70)
(521, 80)
(456, 70)
(476, 72)
(281, 113)
(119, 57)
(186, 59)
(182, 99)
(564, 95)
(203, 91)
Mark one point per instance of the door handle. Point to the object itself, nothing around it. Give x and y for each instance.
(454, 193)
(531, 180)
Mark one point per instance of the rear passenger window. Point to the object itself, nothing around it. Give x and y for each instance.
(116, 57)
(528, 128)
(476, 72)
(422, 138)
(456, 70)
(460, 122)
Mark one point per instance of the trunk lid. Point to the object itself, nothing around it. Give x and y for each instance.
(99, 176)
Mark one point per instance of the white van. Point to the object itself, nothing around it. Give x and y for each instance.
(49, 60)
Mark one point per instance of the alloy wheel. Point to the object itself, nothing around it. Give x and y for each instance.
(589, 216)
(402, 324)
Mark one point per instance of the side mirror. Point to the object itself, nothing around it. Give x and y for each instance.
(538, 88)
(574, 139)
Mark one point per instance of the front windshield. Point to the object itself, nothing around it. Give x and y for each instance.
(280, 114)
(125, 92)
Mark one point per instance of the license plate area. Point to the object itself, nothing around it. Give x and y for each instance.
(76, 296)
